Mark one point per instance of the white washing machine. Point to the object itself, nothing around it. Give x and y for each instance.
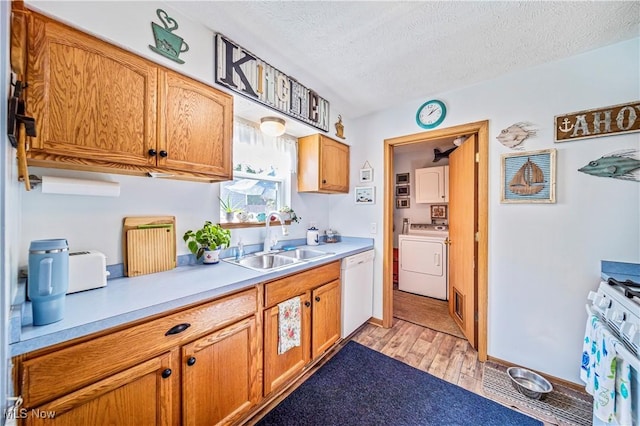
(423, 265)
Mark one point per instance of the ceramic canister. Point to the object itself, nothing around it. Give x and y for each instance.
(313, 236)
(48, 279)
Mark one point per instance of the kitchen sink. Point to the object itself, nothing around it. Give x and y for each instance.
(279, 260)
(305, 254)
(264, 262)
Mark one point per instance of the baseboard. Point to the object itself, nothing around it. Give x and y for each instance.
(375, 321)
(575, 386)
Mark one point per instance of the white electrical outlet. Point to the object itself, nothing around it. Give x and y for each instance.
(373, 228)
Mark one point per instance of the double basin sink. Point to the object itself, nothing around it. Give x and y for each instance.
(278, 260)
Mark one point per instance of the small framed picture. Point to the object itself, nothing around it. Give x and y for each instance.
(402, 203)
(438, 211)
(365, 195)
(402, 178)
(402, 190)
(366, 175)
(529, 177)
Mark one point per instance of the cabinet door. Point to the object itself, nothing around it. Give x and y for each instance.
(91, 100)
(278, 368)
(325, 317)
(334, 166)
(145, 394)
(195, 126)
(430, 185)
(220, 375)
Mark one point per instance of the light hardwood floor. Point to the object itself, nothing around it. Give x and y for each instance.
(440, 354)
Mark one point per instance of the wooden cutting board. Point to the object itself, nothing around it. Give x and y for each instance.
(149, 244)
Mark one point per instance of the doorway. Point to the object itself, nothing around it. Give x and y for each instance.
(477, 320)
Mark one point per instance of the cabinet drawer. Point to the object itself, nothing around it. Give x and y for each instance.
(294, 285)
(48, 376)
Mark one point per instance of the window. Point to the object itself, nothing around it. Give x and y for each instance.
(262, 168)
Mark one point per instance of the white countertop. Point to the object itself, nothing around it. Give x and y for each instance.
(129, 299)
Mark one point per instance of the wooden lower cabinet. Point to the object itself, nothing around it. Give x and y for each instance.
(219, 382)
(279, 368)
(197, 366)
(144, 395)
(325, 318)
(320, 329)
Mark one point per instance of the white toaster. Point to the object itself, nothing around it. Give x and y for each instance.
(87, 270)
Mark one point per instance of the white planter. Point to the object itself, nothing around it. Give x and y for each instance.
(211, 256)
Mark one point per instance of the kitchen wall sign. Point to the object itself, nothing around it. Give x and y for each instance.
(593, 123)
(243, 72)
(167, 43)
(623, 164)
(529, 177)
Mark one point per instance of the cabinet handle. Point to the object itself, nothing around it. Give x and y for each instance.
(191, 361)
(164, 153)
(317, 298)
(152, 152)
(166, 373)
(176, 329)
(307, 303)
(324, 181)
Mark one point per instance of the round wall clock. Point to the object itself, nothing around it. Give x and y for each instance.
(431, 114)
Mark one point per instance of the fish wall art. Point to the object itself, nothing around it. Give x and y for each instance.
(624, 164)
(513, 136)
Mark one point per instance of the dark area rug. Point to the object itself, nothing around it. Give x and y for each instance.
(563, 406)
(359, 386)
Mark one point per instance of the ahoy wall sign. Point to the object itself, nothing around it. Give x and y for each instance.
(592, 123)
(245, 73)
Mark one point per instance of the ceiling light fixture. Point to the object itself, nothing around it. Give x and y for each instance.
(272, 126)
(459, 140)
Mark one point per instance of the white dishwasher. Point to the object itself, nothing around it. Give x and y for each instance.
(357, 291)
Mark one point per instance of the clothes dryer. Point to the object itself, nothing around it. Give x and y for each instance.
(423, 267)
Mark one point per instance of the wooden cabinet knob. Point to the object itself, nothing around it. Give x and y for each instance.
(152, 152)
(166, 373)
(163, 154)
(191, 361)
(307, 303)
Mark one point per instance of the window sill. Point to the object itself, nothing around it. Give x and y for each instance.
(237, 225)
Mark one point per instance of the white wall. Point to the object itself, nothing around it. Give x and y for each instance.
(543, 259)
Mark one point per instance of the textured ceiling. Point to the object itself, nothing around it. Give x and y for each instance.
(368, 56)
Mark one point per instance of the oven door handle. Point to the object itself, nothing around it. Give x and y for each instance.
(621, 351)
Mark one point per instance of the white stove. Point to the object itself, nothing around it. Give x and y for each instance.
(617, 303)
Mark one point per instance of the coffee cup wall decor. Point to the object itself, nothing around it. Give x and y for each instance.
(168, 44)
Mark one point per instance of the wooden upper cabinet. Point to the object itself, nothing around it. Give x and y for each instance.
(323, 165)
(100, 108)
(91, 100)
(195, 130)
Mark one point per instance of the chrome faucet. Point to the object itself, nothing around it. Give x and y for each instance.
(270, 240)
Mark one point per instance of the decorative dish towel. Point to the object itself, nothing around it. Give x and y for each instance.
(288, 324)
(607, 377)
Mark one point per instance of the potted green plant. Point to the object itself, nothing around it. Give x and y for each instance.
(208, 241)
(228, 208)
(289, 214)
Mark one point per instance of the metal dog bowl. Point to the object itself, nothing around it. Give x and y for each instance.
(528, 383)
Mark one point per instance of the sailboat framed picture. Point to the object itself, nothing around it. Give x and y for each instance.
(529, 177)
